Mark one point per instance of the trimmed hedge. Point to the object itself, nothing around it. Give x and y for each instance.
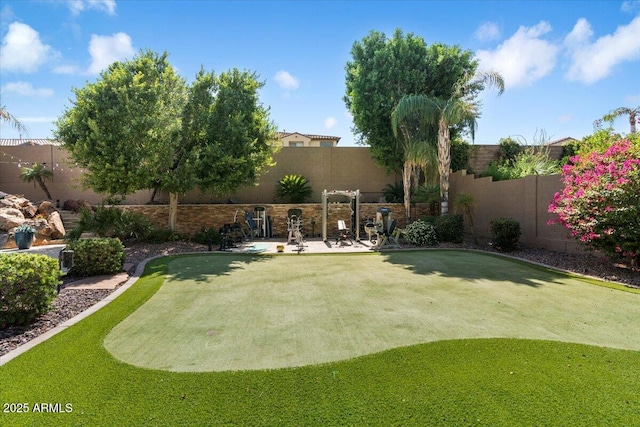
(505, 233)
(93, 257)
(28, 284)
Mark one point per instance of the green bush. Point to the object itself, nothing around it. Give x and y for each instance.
(421, 233)
(162, 235)
(450, 228)
(28, 285)
(111, 221)
(207, 236)
(505, 233)
(93, 257)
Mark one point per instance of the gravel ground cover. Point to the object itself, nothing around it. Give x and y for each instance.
(71, 302)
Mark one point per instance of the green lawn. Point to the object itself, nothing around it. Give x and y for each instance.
(359, 304)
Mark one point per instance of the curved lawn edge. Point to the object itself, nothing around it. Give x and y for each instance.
(141, 267)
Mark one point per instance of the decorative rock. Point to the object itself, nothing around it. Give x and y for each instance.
(10, 218)
(46, 208)
(56, 226)
(76, 205)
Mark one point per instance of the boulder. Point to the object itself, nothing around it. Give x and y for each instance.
(10, 218)
(56, 226)
(46, 208)
(76, 205)
(18, 202)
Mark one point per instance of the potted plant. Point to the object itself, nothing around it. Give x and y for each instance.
(24, 235)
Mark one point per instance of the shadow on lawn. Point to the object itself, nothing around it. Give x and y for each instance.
(472, 266)
(200, 267)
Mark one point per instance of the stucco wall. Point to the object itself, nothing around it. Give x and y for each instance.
(526, 200)
(331, 168)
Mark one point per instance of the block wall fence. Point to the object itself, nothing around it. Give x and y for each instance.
(526, 200)
(339, 168)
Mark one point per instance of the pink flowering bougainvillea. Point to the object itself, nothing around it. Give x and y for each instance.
(600, 203)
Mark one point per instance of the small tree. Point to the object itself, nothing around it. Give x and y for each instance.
(37, 174)
(466, 204)
(600, 203)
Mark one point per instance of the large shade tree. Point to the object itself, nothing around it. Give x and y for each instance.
(459, 108)
(140, 126)
(382, 70)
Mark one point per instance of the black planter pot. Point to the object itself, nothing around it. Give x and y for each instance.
(24, 240)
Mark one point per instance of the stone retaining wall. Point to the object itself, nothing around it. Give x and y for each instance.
(191, 218)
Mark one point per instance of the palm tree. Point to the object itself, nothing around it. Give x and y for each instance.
(37, 173)
(418, 154)
(460, 108)
(633, 114)
(8, 117)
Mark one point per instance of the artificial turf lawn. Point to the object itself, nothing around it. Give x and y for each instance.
(464, 382)
(239, 312)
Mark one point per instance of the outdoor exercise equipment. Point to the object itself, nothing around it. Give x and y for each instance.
(294, 227)
(354, 204)
(385, 227)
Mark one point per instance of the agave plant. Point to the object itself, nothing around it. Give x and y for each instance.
(293, 189)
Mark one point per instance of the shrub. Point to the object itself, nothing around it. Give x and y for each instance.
(93, 257)
(293, 189)
(508, 150)
(450, 228)
(393, 193)
(28, 285)
(505, 233)
(161, 235)
(600, 203)
(207, 236)
(420, 233)
(110, 221)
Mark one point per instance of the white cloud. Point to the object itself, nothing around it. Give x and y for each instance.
(77, 6)
(488, 31)
(286, 80)
(591, 62)
(22, 49)
(26, 89)
(630, 6)
(632, 99)
(524, 57)
(105, 50)
(330, 122)
(565, 118)
(65, 69)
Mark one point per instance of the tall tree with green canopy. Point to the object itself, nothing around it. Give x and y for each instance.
(140, 126)
(382, 70)
(460, 108)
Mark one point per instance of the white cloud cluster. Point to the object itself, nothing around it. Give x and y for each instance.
(286, 81)
(591, 62)
(487, 32)
(23, 51)
(524, 57)
(26, 89)
(77, 6)
(330, 122)
(105, 50)
(528, 56)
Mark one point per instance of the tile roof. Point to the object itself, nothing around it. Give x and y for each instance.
(562, 141)
(311, 136)
(14, 142)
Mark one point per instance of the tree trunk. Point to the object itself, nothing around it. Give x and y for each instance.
(44, 188)
(153, 195)
(406, 184)
(173, 210)
(444, 164)
(632, 122)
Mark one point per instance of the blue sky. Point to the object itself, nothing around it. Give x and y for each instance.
(565, 63)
